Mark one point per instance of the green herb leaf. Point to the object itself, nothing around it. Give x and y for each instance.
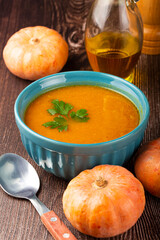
(52, 111)
(61, 107)
(61, 128)
(80, 115)
(59, 122)
(51, 124)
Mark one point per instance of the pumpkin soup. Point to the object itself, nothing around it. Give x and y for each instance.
(107, 114)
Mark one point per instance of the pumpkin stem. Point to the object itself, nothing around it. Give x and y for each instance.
(100, 183)
(34, 40)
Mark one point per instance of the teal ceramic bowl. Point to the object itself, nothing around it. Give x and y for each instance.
(65, 159)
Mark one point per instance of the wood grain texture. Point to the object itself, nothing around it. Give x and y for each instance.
(18, 218)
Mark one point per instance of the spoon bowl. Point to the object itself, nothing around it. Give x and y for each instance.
(19, 179)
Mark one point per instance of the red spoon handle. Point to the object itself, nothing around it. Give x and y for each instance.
(56, 227)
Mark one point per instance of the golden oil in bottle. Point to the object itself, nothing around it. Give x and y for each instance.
(113, 53)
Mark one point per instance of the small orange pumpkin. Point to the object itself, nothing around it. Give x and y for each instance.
(147, 167)
(104, 201)
(35, 52)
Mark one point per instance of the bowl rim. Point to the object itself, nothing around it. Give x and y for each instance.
(65, 144)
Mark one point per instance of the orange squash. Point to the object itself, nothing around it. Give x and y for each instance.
(147, 167)
(35, 52)
(104, 201)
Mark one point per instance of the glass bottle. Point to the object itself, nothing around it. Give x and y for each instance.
(114, 37)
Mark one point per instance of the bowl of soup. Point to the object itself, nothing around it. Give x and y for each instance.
(72, 121)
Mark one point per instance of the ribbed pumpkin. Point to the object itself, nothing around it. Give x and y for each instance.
(35, 52)
(104, 201)
(147, 166)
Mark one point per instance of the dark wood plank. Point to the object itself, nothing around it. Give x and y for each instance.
(19, 220)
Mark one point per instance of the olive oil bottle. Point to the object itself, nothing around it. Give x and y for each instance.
(113, 53)
(114, 37)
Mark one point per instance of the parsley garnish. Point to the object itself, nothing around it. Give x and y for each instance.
(80, 115)
(59, 122)
(62, 109)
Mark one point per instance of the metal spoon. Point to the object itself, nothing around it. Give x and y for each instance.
(19, 179)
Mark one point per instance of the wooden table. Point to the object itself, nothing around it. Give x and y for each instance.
(18, 219)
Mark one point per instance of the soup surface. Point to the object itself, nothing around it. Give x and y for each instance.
(111, 115)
